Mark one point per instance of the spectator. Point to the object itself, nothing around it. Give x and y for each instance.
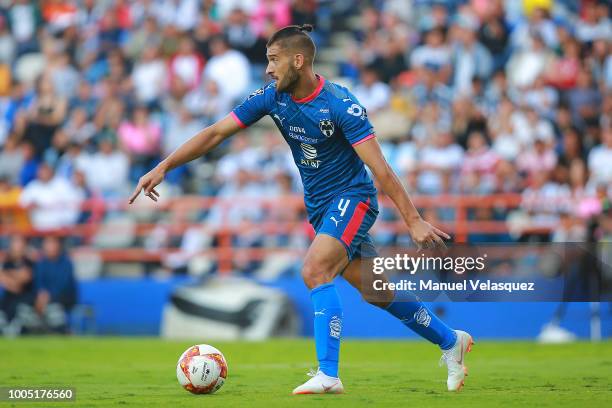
(600, 160)
(78, 129)
(7, 43)
(106, 171)
(56, 289)
(149, 77)
(470, 59)
(46, 113)
(186, 65)
(584, 100)
(11, 160)
(227, 63)
(53, 202)
(443, 156)
(16, 279)
(242, 37)
(480, 161)
(140, 137)
(539, 158)
(64, 76)
(494, 35)
(371, 92)
(271, 15)
(10, 214)
(595, 23)
(180, 13)
(563, 72)
(84, 99)
(434, 53)
(24, 19)
(207, 102)
(528, 63)
(30, 164)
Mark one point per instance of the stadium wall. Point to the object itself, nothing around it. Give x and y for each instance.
(134, 307)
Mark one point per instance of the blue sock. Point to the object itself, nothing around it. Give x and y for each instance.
(416, 316)
(327, 327)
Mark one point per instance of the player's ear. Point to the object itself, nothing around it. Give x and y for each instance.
(298, 61)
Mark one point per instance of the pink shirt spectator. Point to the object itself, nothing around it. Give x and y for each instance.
(482, 161)
(532, 161)
(277, 13)
(143, 140)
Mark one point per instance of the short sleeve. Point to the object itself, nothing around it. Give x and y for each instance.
(353, 120)
(255, 106)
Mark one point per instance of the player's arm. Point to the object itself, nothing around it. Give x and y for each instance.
(422, 232)
(198, 145)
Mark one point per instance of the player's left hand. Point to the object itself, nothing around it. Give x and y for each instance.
(426, 235)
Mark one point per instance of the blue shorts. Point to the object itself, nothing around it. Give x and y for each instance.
(348, 218)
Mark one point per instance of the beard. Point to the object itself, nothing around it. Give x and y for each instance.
(289, 81)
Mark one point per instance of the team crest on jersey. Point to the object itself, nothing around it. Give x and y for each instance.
(327, 127)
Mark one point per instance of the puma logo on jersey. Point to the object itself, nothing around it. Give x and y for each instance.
(335, 220)
(279, 119)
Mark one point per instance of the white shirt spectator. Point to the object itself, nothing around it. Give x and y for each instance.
(226, 6)
(600, 165)
(427, 55)
(149, 78)
(55, 203)
(184, 14)
(231, 70)
(374, 97)
(106, 172)
(438, 159)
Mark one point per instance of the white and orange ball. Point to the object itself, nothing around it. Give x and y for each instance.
(201, 369)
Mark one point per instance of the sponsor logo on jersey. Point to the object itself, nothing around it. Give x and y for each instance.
(297, 129)
(335, 327)
(355, 110)
(260, 91)
(310, 156)
(327, 127)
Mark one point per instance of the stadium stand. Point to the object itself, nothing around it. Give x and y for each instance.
(495, 114)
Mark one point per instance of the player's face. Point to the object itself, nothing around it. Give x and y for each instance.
(281, 69)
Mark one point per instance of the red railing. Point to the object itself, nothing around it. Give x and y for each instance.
(225, 252)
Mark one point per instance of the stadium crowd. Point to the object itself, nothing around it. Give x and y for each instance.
(468, 97)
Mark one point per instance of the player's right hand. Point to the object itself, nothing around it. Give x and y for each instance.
(148, 182)
(426, 235)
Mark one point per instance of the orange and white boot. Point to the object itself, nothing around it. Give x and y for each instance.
(320, 383)
(454, 358)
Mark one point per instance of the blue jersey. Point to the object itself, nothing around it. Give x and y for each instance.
(321, 131)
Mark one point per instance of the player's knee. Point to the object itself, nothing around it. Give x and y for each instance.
(315, 274)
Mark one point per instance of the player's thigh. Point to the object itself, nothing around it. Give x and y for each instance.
(325, 259)
(359, 273)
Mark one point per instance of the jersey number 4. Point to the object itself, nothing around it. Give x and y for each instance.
(343, 205)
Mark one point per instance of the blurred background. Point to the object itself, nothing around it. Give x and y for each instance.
(495, 114)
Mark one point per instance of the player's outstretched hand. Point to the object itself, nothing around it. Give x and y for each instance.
(148, 182)
(426, 235)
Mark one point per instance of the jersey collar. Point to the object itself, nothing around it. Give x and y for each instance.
(313, 95)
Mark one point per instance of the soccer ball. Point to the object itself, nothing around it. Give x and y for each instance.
(201, 369)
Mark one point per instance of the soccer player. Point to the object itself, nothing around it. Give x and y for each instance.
(331, 139)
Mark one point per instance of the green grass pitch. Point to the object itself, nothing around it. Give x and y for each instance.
(130, 372)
